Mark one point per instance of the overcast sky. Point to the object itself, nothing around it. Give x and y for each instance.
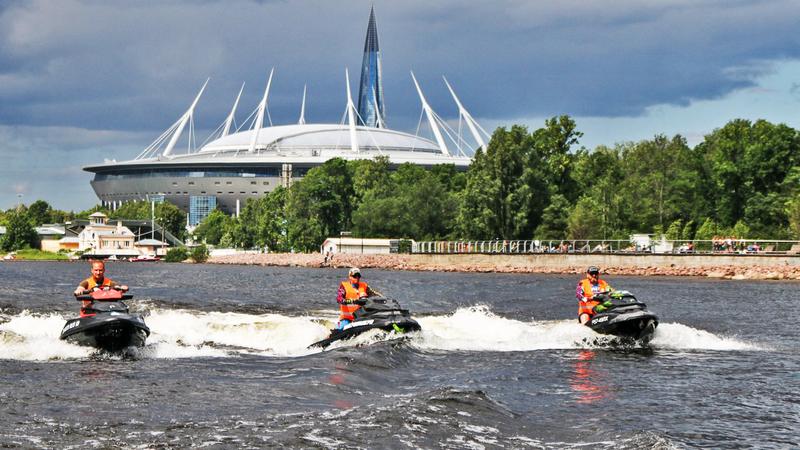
(82, 81)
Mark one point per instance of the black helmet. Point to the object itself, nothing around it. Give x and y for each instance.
(593, 269)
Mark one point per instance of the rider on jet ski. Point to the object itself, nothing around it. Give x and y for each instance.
(588, 304)
(349, 296)
(96, 281)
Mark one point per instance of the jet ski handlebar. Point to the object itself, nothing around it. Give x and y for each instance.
(110, 295)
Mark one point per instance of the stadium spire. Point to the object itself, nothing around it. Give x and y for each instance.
(370, 93)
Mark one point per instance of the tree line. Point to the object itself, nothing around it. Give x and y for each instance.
(742, 180)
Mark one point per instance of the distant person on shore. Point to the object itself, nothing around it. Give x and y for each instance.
(588, 288)
(98, 280)
(350, 296)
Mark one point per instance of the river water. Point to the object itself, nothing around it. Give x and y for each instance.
(500, 363)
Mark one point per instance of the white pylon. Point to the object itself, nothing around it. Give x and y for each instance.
(259, 122)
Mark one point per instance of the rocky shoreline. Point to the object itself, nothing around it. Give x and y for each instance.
(408, 262)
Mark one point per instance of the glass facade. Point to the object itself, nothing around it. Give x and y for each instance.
(207, 173)
(199, 207)
(370, 93)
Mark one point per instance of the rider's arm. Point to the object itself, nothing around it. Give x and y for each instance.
(83, 286)
(340, 295)
(580, 294)
(119, 287)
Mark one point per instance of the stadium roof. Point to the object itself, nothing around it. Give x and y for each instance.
(316, 136)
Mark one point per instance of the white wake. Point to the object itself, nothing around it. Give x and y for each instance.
(192, 334)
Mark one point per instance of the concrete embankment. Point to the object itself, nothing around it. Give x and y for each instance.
(737, 267)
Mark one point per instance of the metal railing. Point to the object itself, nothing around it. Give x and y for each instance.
(605, 246)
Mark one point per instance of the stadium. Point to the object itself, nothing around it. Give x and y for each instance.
(248, 162)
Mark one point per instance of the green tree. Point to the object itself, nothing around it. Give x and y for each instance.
(741, 230)
(39, 212)
(320, 205)
(211, 229)
(165, 215)
(19, 233)
(172, 219)
(414, 202)
(96, 208)
(496, 200)
(765, 216)
(553, 145)
(555, 219)
(750, 174)
(793, 213)
(600, 176)
(659, 181)
(706, 232)
(585, 220)
(134, 210)
(675, 230)
(369, 174)
(262, 223)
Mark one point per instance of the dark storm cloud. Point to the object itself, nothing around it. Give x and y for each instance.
(137, 66)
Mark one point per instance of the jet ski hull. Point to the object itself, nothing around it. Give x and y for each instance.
(360, 326)
(378, 313)
(110, 333)
(639, 325)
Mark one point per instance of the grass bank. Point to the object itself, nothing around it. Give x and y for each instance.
(30, 254)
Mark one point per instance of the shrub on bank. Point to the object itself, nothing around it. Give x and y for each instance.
(199, 254)
(176, 254)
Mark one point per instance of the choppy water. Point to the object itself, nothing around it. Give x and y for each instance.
(500, 362)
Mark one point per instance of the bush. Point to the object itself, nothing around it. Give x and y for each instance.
(404, 246)
(176, 254)
(199, 254)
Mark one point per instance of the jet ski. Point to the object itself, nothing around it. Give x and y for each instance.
(375, 312)
(106, 323)
(626, 317)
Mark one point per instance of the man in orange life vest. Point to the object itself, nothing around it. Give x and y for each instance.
(98, 280)
(588, 288)
(350, 293)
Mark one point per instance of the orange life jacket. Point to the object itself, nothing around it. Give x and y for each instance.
(91, 284)
(589, 289)
(351, 293)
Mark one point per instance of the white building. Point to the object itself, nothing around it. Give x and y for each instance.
(358, 245)
(103, 240)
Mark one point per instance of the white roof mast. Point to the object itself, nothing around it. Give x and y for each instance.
(259, 122)
(471, 123)
(182, 122)
(229, 120)
(351, 114)
(431, 118)
(302, 120)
